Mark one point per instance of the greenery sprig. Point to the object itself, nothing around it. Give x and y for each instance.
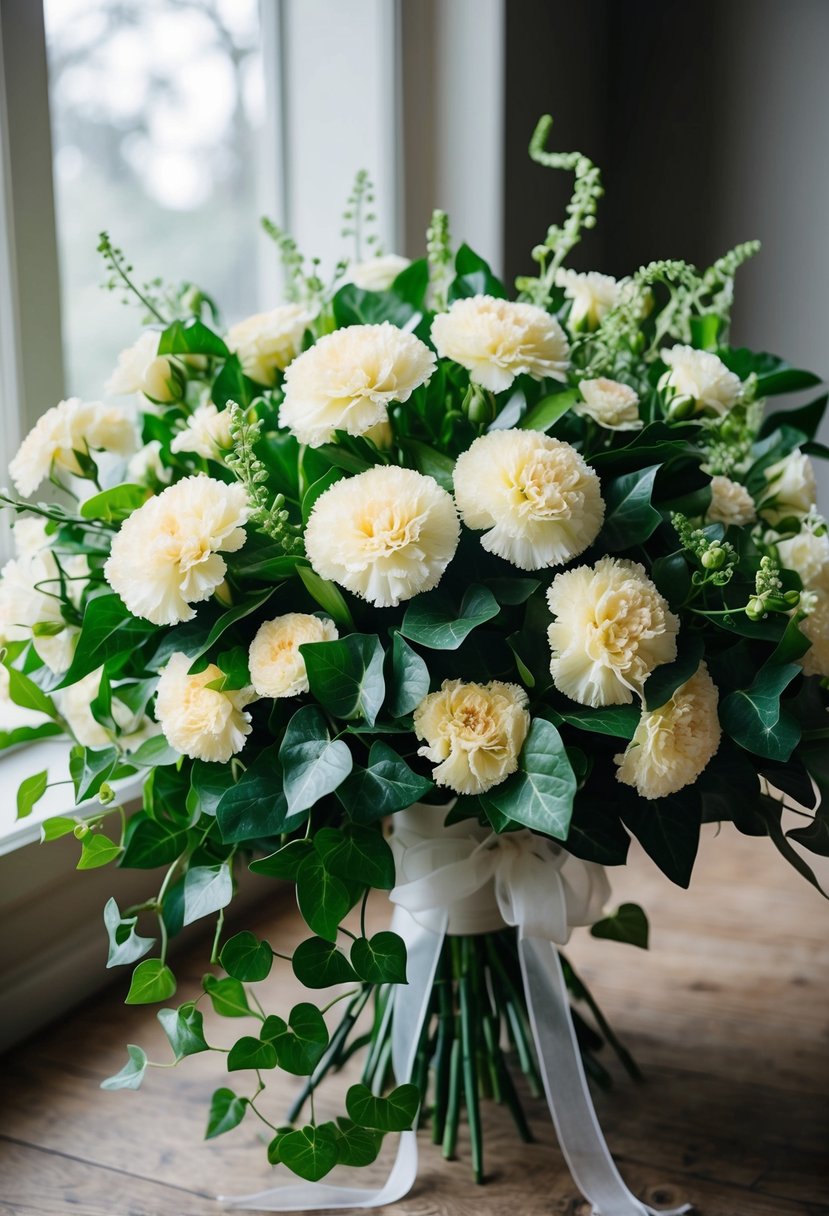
(268, 510)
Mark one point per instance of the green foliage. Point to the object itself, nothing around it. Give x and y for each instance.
(433, 621)
(299, 1043)
(246, 958)
(380, 959)
(346, 676)
(151, 981)
(226, 1112)
(627, 924)
(132, 1074)
(540, 795)
(313, 764)
(184, 1028)
(394, 1113)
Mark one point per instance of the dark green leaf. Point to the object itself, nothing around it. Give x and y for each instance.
(132, 1074)
(386, 786)
(300, 1044)
(317, 490)
(208, 784)
(149, 843)
(184, 1028)
(627, 924)
(410, 679)
(540, 795)
(380, 959)
(108, 632)
(226, 1112)
(247, 958)
(356, 1146)
(473, 277)
(285, 862)
(251, 603)
(328, 596)
(249, 1052)
(629, 516)
(357, 853)
(310, 1152)
(662, 683)
(620, 721)
(512, 590)
(313, 765)
(206, 890)
(596, 834)
(255, 807)
(668, 830)
(346, 676)
(433, 621)
(396, 1113)
(232, 384)
(319, 964)
(152, 981)
(322, 897)
(227, 996)
(754, 718)
(354, 306)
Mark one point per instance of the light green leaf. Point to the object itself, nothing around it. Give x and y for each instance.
(184, 1028)
(25, 692)
(97, 850)
(433, 621)
(114, 504)
(548, 410)
(125, 943)
(89, 768)
(54, 828)
(227, 996)
(206, 890)
(132, 1074)
(346, 676)
(30, 791)
(152, 981)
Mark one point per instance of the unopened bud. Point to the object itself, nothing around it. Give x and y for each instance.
(755, 609)
(106, 794)
(713, 558)
(680, 408)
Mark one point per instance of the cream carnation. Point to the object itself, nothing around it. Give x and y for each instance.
(673, 744)
(267, 342)
(496, 340)
(612, 628)
(146, 466)
(207, 433)
(198, 721)
(166, 555)
(808, 554)
(385, 535)
(74, 704)
(377, 274)
(815, 661)
(703, 377)
(539, 499)
(473, 732)
(593, 296)
(791, 487)
(346, 381)
(69, 427)
(610, 403)
(277, 669)
(731, 503)
(141, 369)
(30, 590)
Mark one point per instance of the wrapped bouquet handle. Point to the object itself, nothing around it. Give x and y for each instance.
(463, 879)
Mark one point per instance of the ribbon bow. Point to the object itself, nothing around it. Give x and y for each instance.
(462, 879)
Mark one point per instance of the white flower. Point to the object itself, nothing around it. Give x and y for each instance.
(593, 296)
(791, 487)
(165, 556)
(610, 403)
(141, 369)
(377, 274)
(385, 535)
(673, 744)
(267, 342)
(474, 733)
(346, 381)
(69, 427)
(731, 503)
(815, 661)
(207, 433)
(146, 466)
(701, 376)
(807, 554)
(540, 500)
(612, 628)
(277, 669)
(30, 591)
(74, 704)
(496, 340)
(198, 721)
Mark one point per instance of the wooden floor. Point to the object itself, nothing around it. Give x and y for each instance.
(728, 1015)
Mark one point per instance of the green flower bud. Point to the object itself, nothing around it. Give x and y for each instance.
(106, 794)
(792, 598)
(755, 609)
(680, 408)
(713, 558)
(80, 831)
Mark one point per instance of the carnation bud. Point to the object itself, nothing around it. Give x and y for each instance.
(681, 408)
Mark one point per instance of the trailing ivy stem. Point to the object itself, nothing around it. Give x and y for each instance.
(214, 953)
(162, 928)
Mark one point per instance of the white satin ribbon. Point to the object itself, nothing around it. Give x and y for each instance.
(463, 880)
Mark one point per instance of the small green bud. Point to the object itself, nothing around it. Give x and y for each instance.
(792, 598)
(680, 408)
(731, 429)
(80, 831)
(106, 794)
(713, 558)
(755, 609)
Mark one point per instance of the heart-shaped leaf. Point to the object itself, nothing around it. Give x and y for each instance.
(310, 1152)
(207, 889)
(313, 764)
(434, 621)
(301, 1042)
(152, 981)
(540, 795)
(125, 944)
(358, 854)
(627, 924)
(226, 1112)
(184, 1028)
(380, 959)
(227, 997)
(132, 1074)
(249, 1052)
(346, 675)
(395, 1113)
(385, 786)
(322, 897)
(246, 958)
(319, 964)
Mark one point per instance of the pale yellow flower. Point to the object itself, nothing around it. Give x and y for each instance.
(377, 274)
(702, 377)
(347, 380)
(610, 403)
(141, 369)
(147, 468)
(30, 591)
(593, 296)
(791, 488)
(74, 704)
(808, 554)
(386, 535)
(673, 744)
(277, 669)
(612, 628)
(815, 661)
(207, 433)
(473, 732)
(267, 342)
(69, 427)
(539, 499)
(497, 340)
(166, 555)
(198, 721)
(731, 503)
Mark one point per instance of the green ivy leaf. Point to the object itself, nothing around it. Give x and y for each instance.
(668, 830)
(255, 807)
(247, 958)
(319, 964)
(310, 1152)
(152, 981)
(226, 1112)
(300, 1042)
(208, 784)
(620, 721)
(662, 683)
(54, 829)
(30, 791)
(125, 944)
(323, 898)
(132, 1074)
(184, 1028)
(25, 692)
(395, 1113)
(109, 631)
(629, 516)
(97, 850)
(410, 679)
(149, 843)
(386, 786)
(206, 890)
(380, 959)
(356, 1145)
(433, 621)
(627, 924)
(540, 795)
(754, 718)
(285, 862)
(357, 854)
(249, 1052)
(227, 997)
(313, 764)
(89, 768)
(346, 676)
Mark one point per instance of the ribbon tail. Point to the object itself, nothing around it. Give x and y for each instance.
(411, 1005)
(565, 1086)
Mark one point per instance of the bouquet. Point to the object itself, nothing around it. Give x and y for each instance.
(520, 578)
